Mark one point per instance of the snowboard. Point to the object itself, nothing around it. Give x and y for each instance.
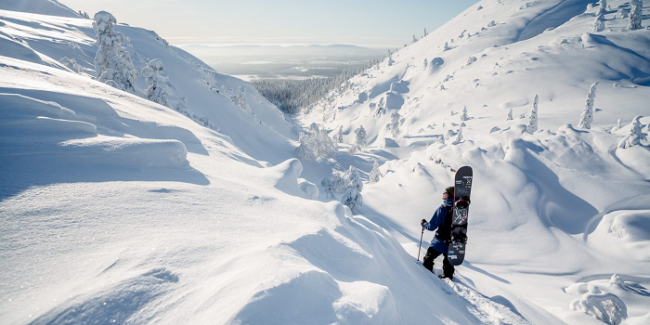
(462, 191)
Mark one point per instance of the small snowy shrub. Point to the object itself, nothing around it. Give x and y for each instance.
(112, 62)
(509, 118)
(464, 117)
(446, 48)
(156, 92)
(361, 140)
(598, 25)
(471, 60)
(394, 124)
(635, 136)
(339, 135)
(71, 64)
(532, 121)
(588, 113)
(459, 136)
(492, 24)
(353, 199)
(240, 99)
(636, 15)
(375, 174)
(335, 184)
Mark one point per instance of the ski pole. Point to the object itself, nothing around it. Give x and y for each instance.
(420, 247)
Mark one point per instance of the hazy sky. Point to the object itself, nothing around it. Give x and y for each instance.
(377, 23)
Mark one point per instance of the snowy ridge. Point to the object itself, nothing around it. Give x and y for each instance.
(555, 206)
(43, 7)
(116, 209)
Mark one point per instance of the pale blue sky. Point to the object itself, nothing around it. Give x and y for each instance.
(376, 23)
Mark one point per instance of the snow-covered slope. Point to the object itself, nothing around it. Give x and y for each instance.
(43, 7)
(195, 89)
(554, 210)
(114, 209)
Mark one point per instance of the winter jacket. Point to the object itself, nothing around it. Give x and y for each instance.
(438, 222)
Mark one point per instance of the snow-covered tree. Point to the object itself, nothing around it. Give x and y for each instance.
(353, 199)
(425, 32)
(315, 145)
(588, 113)
(353, 179)
(112, 62)
(464, 117)
(426, 63)
(361, 140)
(599, 24)
(415, 39)
(156, 92)
(239, 99)
(390, 58)
(602, 7)
(339, 135)
(446, 48)
(334, 184)
(635, 136)
(471, 60)
(492, 24)
(532, 121)
(375, 174)
(509, 118)
(636, 15)
(394, 124)
(459, 136)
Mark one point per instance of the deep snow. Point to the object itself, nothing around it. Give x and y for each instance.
(115, 209)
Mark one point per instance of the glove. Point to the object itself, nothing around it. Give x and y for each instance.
(423, 222)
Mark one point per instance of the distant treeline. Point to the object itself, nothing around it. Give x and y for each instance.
(293, 95)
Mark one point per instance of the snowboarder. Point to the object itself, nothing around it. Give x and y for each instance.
(441, 221)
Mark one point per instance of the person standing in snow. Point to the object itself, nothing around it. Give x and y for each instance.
(441, 221)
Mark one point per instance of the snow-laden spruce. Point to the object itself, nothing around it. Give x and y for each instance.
(509, 118)
(599, 24)
(464, 117)
(352, 197)
(532, 120)
(602, 7)
(156, 91)
(361, 140)
(636, 15)
(338, 137)
(375, 174)
(588, 113)
(635, 136)
(315, 144)
(394, 124)
(459, 136)
(112, 62)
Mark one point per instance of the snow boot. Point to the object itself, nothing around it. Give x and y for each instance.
(444, 276)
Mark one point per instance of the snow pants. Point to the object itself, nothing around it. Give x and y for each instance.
(427, 262)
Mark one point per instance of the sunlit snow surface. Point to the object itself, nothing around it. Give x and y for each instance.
(114, 209)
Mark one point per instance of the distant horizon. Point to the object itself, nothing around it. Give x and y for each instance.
(376, 24)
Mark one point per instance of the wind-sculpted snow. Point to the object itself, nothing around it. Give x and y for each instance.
(552, 202)
(122, 303)
(116, 208)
